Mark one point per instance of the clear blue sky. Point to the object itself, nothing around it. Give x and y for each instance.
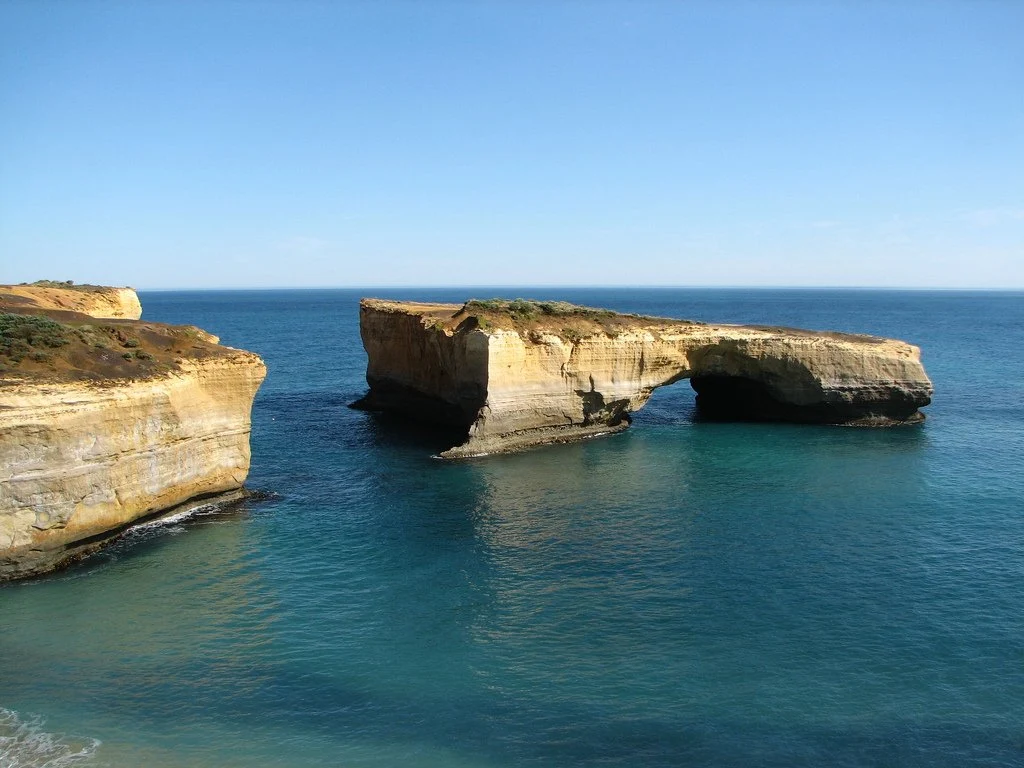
(238, 144)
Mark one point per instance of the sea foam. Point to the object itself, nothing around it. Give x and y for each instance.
(24, 743)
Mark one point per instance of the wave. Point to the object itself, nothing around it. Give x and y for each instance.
(170, 521)
(24, 743)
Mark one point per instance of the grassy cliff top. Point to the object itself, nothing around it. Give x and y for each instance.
(560, 317)
(68, 285)
(67, 346)
(48, 334)
(524, 315)
(570, 321)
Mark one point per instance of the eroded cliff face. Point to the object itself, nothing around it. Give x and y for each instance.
(103, 423)
(79, 460)
(92, 300)
(420, 368)
(519, 378)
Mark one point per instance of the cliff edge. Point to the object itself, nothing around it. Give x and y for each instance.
(106, 422)
(93, 300)
(520, 373)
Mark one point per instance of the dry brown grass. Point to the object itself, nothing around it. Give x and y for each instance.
(67, 346)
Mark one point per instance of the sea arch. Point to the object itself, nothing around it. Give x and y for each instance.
(512, 382)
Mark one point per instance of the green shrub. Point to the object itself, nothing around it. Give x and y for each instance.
(528, 309)
(68, 285)
(521, 309)
(20, 334)
(485, 304)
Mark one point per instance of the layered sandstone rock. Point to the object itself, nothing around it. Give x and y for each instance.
(521, 373)
(93, 300)
(105, 423)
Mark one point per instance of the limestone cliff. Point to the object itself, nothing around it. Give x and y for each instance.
(93, 300)
(520, 373)
(105, 423)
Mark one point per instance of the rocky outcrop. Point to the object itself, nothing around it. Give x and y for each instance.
(515, 374)
(93, 300)
(105, 424)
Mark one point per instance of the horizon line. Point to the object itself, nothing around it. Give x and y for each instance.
(567, 286)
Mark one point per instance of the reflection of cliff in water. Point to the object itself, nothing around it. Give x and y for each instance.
(595, 557)
(583, 557)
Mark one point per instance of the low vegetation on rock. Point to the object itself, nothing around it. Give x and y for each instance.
(39, 347)
(21, 335)
(69, 285)
(570, 321)
(528, 309)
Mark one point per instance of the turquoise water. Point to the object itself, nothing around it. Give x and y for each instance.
(682, 594)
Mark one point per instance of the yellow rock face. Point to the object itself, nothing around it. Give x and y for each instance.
(79, 460)
(95, 301)
(533, 382)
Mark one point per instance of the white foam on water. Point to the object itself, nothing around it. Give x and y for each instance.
(24, 743)
(170, 521)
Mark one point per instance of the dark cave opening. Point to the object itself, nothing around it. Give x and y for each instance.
(733, 398)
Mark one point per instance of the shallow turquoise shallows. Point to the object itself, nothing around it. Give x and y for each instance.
(682, 594)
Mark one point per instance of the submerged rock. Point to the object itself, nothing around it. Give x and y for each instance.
(518, 373)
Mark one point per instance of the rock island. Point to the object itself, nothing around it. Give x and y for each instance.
(106, 420)
(514, 374)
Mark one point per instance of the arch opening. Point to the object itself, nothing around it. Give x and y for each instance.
(671, 403)
(718, 398)
(736, 398)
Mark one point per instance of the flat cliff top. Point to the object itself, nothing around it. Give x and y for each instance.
(65, 346)
(93, 300)
(44, 344)
(520, 315)
(571, 321)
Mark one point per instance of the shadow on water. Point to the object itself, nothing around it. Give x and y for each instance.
(329, 419)
(391, 431)
(149, 536)
(330, 422)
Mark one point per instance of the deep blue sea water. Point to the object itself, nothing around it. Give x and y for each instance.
(682, 594)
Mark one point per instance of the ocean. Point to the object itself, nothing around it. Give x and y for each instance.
(681, 594)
